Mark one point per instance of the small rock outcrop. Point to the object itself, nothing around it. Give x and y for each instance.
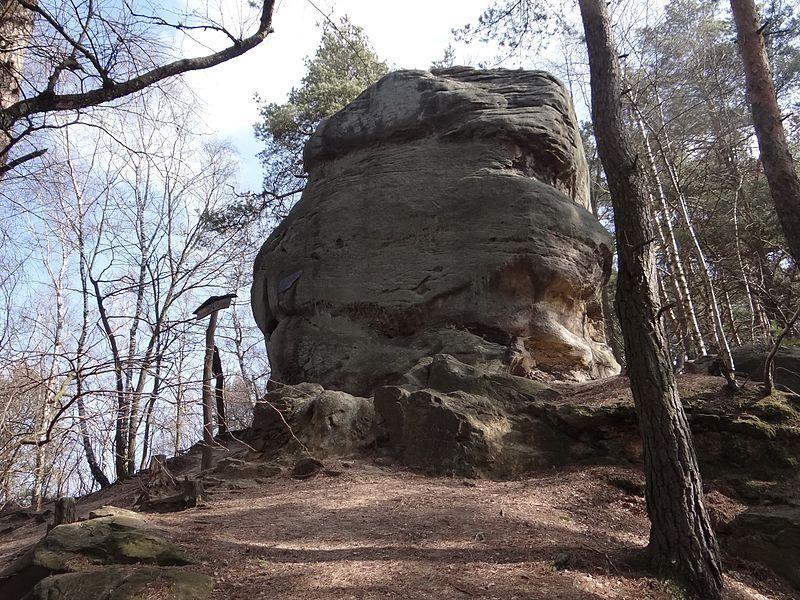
(445, 213)
(307, 418)
(451, 418)
(749, 360)
(771, 536)
(116, 554)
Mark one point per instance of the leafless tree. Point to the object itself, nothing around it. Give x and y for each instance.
(66, 57)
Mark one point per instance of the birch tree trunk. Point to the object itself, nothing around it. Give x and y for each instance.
(682, 542)
(671, 250)
(80, 350)
(700, 257)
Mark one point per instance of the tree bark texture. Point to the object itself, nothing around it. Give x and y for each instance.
(682, 543)
(219, 393)
(16, 26)
(784, 184)
(64, 512)
(208, 394)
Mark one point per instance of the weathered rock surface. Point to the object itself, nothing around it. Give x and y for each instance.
(449, 417)
(770, 536)
(121, 537)
(126, 583)
(750, 361)
(445, 213)
(307, 418)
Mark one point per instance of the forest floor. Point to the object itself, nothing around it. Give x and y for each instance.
(374, 531)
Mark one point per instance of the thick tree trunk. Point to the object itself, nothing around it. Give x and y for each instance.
(682, 542)
(16, 26)
(64, 512)
(784, 184)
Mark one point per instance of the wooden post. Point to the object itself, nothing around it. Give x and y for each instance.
(222, 424)
(210, 308)
(64, 512)
(208, 395)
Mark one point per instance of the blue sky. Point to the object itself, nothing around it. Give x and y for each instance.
(406, 35)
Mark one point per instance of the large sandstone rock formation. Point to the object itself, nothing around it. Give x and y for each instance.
(445, 212)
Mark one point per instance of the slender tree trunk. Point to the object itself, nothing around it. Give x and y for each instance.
(176, 448)
(219, 393)
(682, 542)
(86, 441)
(238, 342)
(784, 184)
(683, 293)
(769, 363)
(38, 478)
(135, 395)
(122, 420)
(745, 279)
(732, 318)
(148, 411)
(208, 394)
(713, 303)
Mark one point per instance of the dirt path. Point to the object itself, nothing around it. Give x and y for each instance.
(377, 532)
(383, 533)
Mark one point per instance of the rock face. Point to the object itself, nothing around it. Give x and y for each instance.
(447, 417)
(750, 360)
(114, 555)
(307, 418)
(770, 536)
(445, 212)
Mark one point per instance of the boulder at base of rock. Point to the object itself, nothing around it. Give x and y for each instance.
(750, 360)
(444, 213)
(771, 536)
(126, 583)
(119, 538)
(307, 418)
(468, 422)
(452, 418)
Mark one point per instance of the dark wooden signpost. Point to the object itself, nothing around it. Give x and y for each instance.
(210, 308)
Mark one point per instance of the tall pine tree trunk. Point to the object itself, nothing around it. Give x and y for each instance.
(682, 543)
(16, 26)
(784, 184)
